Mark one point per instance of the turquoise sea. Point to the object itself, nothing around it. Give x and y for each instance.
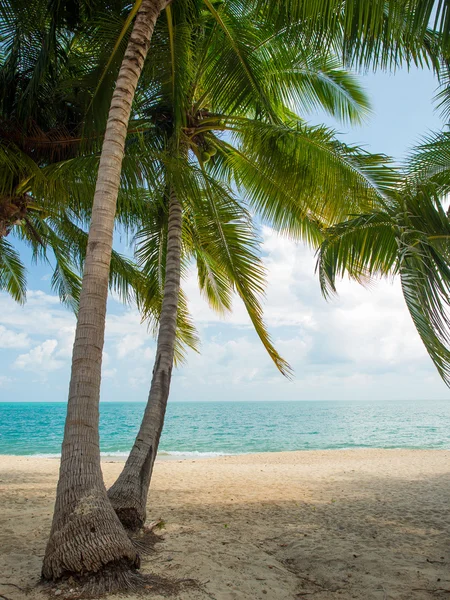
(215, 428)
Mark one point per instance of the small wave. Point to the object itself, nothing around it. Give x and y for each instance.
(122, 454)
(58, 455)
(118, 453)
(194, 453)
(42, 455)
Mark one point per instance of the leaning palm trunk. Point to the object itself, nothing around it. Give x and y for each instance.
(86, 534)
(129, 493)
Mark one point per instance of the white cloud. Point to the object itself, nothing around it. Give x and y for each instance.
(40, 359)
(140, 377)
(42, 315)
(129, 344)
(362, 344)
(65, 341)
(148, 355)
(11, 339)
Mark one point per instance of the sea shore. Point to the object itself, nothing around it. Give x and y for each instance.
(335, 524)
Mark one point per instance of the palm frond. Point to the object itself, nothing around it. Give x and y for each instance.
(430, 161)
(306, 80)
(150, 254)
(187, 336)
(377, 34)
(364, 247)
(411, 237)
(233, 246)
(292, 175)
(425, 280)
(12, 272)
(65, 282)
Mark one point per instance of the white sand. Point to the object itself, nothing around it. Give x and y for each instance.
(364, 524)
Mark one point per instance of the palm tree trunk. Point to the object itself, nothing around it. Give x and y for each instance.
(129, 493)
(86, 535)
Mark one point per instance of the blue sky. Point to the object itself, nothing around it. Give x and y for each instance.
(403, 112)
(360, 346)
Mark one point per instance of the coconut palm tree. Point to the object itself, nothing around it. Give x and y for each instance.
(296, 178)
(46, 172)
(31, 138)
(83, 518)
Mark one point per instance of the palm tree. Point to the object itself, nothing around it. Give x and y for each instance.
(83, 518)
(297, 178)
(32, 137)
(25, 161)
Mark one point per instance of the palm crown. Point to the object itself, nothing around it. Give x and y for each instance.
(296, 177)
(47, 165)
(229, 156)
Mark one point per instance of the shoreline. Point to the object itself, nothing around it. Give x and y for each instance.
(187, 456)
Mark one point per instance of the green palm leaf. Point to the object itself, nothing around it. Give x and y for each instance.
(235, 247)
(430, 161)
(410, 237)
(364, 247)
(368, 34)
(12, 272)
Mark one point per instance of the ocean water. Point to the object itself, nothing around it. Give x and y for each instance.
(216, 428)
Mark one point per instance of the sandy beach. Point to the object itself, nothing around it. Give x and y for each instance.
(363, 524)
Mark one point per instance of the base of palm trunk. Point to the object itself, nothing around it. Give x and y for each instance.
(126, 499)
(88, 540)
(128, 495)
(131, 518)
(113, 579)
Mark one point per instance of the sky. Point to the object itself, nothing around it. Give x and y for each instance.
(360, 346)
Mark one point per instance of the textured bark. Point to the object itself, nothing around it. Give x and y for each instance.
(86, 534)
(129, 493)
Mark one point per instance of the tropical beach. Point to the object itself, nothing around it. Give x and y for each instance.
(362, 524)
(224, 299)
